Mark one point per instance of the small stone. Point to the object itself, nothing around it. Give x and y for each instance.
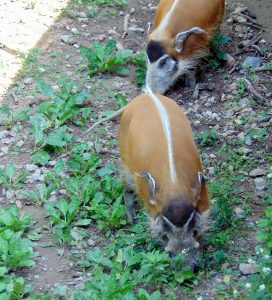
(4, 149)
(18, 203)
(230, 61)
(260, 184)
(28, 80)
(31, 167)
(238, 28)
(42, 70)
(243, 278)
(248, 141)
(91, 242)
(239, 213)
(248, 268)
(229, 20)
(37, 176)
(241, 136)
(244, 102)
(239, 9)
(67, 39)
(51, 163)
(240, 19)
(252, 62)
(257, 172)
(74, 31)
(75, 234)
(3, 134)
(20, 144)
(63, 192)
(53, 198)
(10, 194)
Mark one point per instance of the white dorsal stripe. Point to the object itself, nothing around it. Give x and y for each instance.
(166, 19)
(167, 130)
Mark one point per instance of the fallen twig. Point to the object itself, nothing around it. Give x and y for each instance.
(250, 88)
(256, 26)
(234, 67)
(111, 117)
(262, 68)
(249, 19)
(196, 91)
(126, 25)
(107, 151)
(16, 100)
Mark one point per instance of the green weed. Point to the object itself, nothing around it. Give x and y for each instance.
(16, 251)
(29, 62)
(216, 44)
(261, 282)
(106, 58)
(9, 117)
(241, 89)
(41, 195)
(48, 124)
(11, 178)
(207, 137)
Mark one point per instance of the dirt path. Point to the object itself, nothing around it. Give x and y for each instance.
(223, 107)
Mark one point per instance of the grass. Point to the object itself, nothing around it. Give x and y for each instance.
(127, 262)
(16, 252)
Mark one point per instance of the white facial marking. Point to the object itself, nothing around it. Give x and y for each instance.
(167, 130)
(165, 21)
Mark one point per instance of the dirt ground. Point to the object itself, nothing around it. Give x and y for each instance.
(26, 25)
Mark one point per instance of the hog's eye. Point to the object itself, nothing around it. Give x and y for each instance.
(162, 63)
(195, 233)
(165, 238)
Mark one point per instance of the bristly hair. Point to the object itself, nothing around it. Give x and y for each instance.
(178, 211)
(154, 51)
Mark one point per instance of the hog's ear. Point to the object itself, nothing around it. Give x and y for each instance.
(167, 223)
(151, 185)
(200, 193)
(182, 37)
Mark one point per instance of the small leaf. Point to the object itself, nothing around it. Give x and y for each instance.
(3, 271)
(33, 235)
(83, 222)
(45, 88)
(30, 194)
(107, 170)
(10, 170)
(59, 166)
(41, 157)
(110, 47)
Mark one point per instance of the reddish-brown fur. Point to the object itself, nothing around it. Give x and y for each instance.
(206, 14)
(143, 147)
